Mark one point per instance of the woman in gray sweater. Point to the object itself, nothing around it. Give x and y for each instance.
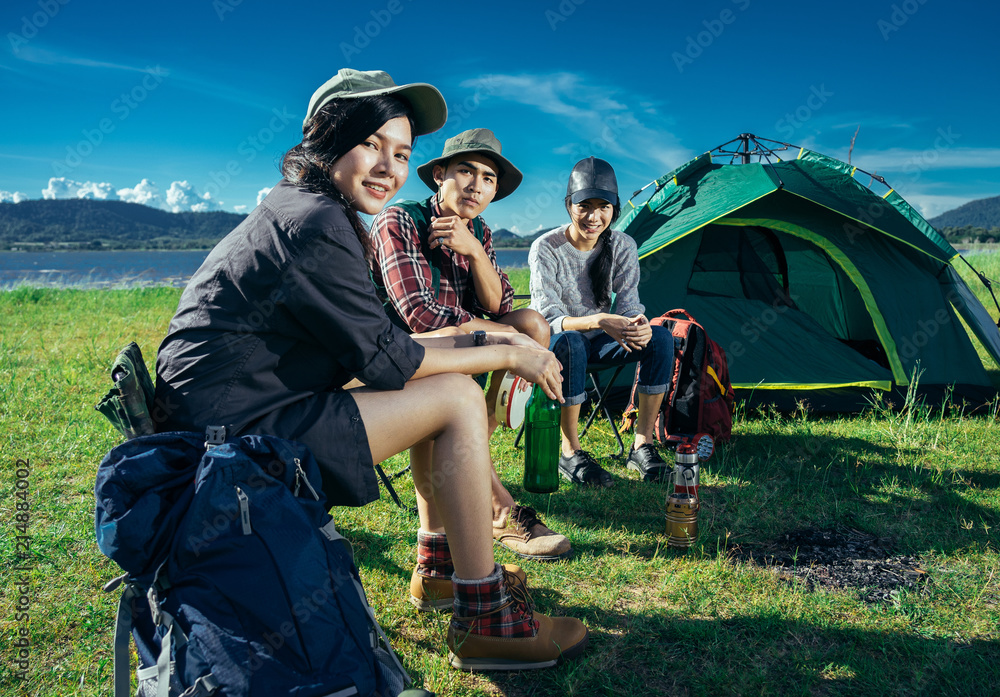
(584, 281)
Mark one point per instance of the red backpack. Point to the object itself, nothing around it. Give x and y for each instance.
(699, 398)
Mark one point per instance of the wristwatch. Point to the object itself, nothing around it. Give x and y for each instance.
(479, 338)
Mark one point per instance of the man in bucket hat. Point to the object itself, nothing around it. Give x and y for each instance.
(435, 265)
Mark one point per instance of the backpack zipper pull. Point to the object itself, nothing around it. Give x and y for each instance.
(300, 477)
(244, 511)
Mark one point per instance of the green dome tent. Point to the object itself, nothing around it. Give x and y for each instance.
(816, 287)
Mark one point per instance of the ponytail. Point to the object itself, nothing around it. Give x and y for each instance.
(600, 270)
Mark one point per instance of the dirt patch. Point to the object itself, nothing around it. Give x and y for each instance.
(837, 558)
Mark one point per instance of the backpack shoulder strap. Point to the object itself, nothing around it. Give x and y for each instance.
(479, 228)
(420, 213)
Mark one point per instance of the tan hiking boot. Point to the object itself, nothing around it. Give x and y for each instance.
(436, 594)
(509, 635)
(523, 533)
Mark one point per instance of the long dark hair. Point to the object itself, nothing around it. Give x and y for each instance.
(338, 127)
(603, 264)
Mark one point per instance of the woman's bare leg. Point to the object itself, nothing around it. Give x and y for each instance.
(569, 424)
(453, 484)
(649, 409)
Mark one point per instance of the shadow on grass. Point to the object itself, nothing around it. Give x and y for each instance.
(775, 482)
(374, 551)
(633, 654)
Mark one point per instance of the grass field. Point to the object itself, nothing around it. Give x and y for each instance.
(923, 484)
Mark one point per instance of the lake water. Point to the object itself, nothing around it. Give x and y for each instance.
(129, 268)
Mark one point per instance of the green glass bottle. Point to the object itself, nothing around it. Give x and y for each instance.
(541, 449)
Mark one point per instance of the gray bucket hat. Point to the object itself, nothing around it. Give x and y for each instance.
(429, 108)
(479, 140)
(593, 178)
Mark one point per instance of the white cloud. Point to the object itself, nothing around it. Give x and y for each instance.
(597, 113)
(13, 197)
(102, 191)
(913, 160)
(262, 193)
(145, 192)
(182, 196)
(61, 187)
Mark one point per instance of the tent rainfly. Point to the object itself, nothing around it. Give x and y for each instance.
(818, 288)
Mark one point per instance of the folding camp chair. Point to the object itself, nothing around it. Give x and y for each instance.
(598, 406)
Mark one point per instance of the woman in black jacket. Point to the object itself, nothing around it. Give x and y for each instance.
(282, 320)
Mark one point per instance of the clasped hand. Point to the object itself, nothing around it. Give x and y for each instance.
(632, 334)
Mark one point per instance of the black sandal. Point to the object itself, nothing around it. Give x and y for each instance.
(581, 468)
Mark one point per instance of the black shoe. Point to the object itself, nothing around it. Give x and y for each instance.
(581, 468)
(647, 462)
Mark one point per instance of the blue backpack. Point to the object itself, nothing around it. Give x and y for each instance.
(236, 580)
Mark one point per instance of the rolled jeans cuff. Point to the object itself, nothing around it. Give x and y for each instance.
(652, 389)
(576, 399)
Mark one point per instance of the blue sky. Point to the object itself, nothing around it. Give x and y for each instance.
(189, 105)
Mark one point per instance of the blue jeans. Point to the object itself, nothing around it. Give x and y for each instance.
(576, 352)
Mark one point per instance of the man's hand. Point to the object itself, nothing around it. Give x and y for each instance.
(453, 232)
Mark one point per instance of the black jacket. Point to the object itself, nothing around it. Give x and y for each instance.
(281, 314)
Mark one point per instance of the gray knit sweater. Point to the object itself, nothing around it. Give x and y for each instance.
(560, 284)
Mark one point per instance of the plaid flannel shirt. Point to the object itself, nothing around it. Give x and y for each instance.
(403, 275)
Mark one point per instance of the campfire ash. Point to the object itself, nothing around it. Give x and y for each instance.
(840, 558)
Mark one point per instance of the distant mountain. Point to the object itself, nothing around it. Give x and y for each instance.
(982, 213)
(89, 224)
(503, 237)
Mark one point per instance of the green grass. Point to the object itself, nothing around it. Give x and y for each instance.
(661, 621)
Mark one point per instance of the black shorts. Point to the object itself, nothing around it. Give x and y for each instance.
(330, 425)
